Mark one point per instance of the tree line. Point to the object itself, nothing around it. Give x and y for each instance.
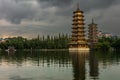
(60, 41)
(108, 43)
(49, 42)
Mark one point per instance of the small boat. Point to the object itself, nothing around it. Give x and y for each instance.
(11, 49)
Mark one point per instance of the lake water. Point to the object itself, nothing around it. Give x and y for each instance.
(59, 65)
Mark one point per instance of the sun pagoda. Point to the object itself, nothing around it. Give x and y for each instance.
(78, 41)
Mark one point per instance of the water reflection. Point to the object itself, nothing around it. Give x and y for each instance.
(19, 78)
(36, 58)
(106, 59)
(77, 66)
(78, 62)
(93, 65)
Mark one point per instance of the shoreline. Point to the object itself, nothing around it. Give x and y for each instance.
(44, 49)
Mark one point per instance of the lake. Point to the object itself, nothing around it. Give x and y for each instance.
(59, 65)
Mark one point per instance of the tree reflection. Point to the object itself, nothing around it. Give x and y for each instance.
(37, 58)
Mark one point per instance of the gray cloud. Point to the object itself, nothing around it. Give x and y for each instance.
(17, 10)
(55, 16)
(88, 5)
(58, 3)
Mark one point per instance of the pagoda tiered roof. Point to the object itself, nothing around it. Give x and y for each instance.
(78, 23)
(78, 16)
(78, 33)
(78, 11)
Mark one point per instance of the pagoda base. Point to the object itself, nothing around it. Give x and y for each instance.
(79, 49)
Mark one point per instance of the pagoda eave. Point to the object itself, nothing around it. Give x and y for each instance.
(78, 20)
(78, 16)
(78, 24)
(92, 24)
(78, 11)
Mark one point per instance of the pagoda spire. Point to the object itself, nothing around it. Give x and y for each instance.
(92, 20)
(78, 6)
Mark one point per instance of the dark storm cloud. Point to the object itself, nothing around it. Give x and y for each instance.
(15, 16)
(84, 4)
(15, 11)
(59, 3)
(88, 5)
(65, 7)
(55, 16)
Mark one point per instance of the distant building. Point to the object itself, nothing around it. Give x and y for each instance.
(106, 35)
(100, 34)
(2, 40)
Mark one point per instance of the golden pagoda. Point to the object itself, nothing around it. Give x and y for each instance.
(78, 41)
(93, 34)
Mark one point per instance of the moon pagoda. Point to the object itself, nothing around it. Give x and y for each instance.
(93, 34)
(78, 41)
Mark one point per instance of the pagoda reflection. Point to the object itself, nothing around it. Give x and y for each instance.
(93, 66)
(78, 62)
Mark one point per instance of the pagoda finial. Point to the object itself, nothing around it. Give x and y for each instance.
(92, 20)
(78, 6)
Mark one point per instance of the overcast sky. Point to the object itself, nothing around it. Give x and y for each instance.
(29, 18)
